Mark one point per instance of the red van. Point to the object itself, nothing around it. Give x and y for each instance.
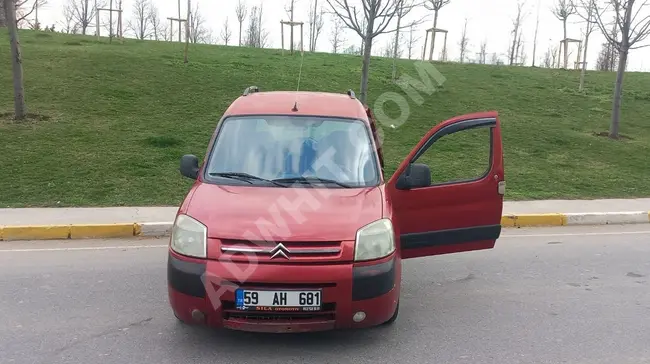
(292, 227)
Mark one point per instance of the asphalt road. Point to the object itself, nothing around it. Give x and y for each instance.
(561, 295)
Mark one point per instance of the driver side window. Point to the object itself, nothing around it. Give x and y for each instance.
(461, 156)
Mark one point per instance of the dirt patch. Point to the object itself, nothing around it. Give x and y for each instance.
(605, 134)
(8, 118)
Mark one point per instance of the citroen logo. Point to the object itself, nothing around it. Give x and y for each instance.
(279, 250)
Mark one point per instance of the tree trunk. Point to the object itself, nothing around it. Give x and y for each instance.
(291, 39)
(433, 34)
(396, 48)
(566, 48)
(583, 72)
(365, 70)
(618, 90)
(16, 61)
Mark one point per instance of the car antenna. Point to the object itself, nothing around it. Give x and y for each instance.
(302, 61)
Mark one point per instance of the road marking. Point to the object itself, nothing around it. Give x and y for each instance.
(85, 248)
(126, 247)
(575, 234)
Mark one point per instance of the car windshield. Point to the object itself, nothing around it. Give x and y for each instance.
(276, 150)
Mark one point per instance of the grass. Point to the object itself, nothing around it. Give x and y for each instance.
(111, 121)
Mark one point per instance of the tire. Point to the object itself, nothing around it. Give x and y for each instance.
(394, 317)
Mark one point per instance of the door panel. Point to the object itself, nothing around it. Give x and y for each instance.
(460, 207)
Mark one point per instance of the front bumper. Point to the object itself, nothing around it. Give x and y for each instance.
(204, 292)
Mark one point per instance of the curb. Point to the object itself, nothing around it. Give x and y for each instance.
(163, 229)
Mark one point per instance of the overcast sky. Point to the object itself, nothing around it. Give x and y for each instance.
(489, 20)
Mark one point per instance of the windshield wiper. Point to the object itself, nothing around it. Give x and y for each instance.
(311, 180)
(244, 177)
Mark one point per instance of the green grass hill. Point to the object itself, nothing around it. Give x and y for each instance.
(114, 119)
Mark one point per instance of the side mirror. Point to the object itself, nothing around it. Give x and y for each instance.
(190, 166)
(416, 175)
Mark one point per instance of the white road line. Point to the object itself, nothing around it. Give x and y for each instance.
(574, 234)
(127, 247)
(85, 248)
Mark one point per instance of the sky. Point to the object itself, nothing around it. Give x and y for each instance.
(487, 20)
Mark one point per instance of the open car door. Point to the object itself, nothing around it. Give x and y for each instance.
(433, 214)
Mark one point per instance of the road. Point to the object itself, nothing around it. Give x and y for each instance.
(544, 295)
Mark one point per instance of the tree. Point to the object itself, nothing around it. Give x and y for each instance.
(483, 52)
(83, 12)
(156, 22)
(517, 24)
(412, 41)
(198, 31)
(632, 33)
(140, 24)
(378, 15)
(535, 37)
(22, 10)
(316, 23)
(337, 39)
(241, 11)
(588, 15)
(462, 44)
(256, 36)
(68, 23)
(563, 10)
(435, 6)
(226, 33)
(20, 110)
(404, 8)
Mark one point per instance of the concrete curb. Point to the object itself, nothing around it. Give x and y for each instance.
(163, 229)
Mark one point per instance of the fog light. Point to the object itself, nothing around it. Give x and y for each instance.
(359, 316)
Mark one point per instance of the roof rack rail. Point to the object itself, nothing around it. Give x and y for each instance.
(250, 90)
(351, 94)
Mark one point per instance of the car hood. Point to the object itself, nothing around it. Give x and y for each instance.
(289, 214)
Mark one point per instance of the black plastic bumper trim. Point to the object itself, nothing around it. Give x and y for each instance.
(373, 281)
(185, 277)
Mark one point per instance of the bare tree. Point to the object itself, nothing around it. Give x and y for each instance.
(256, 36)
(226, 33)
(23, 9)
(536, 32)
(198, 31)
(435, 6)
(166, 32)
(68, 24)
(523, 57)
(83, 12)
(462, 44)
(589, 16)
(337, 39)
(494, 59)
(632, 33)
(404, 8)
(241, 11)
(483, 52)
(517, 24)
(20, 110)
(316, 23)
(546, 62)
(563, 10)
(156, 21)
(412, 41)
(378, 15)
(140, 24)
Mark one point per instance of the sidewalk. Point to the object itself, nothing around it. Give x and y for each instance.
(53, 223)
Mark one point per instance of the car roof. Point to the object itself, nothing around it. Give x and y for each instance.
(309, 103)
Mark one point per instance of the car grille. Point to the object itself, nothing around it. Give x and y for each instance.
(284, 251)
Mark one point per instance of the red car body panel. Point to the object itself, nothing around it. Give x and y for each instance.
(430, 220)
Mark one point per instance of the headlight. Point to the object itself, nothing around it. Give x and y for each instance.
(374, 241)
(189, 237)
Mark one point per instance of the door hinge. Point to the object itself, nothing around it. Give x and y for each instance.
(502, 188)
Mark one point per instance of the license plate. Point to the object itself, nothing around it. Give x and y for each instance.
(285, 301)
